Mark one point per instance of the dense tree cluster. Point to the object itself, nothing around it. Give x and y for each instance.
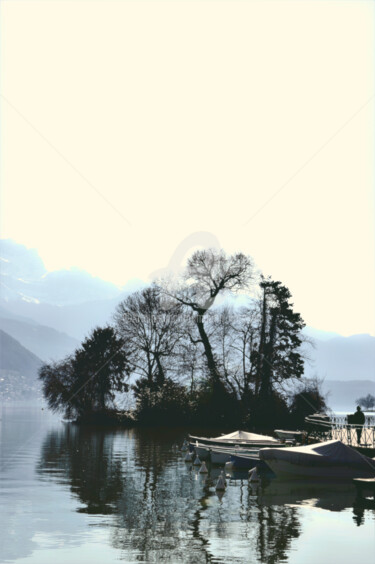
(85, 383)
(192, 353)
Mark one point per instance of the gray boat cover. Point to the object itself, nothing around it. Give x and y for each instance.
(318, 454)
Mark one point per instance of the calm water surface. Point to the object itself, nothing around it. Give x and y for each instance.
(72, 495)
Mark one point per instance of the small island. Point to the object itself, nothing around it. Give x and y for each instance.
(220, 346)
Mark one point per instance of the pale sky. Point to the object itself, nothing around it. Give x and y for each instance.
(128, 126)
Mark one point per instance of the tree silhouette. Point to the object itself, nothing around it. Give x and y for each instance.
(367, 402)
(87, 381)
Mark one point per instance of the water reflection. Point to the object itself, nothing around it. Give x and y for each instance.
(329, 496)
(325, 495)
(163, 510)
(86, 459)
(94, 495)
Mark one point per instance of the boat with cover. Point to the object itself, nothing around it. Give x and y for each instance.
(327, 460)
(240, 438)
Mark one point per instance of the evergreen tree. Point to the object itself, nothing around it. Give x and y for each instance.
(86, 382)
(278, 356)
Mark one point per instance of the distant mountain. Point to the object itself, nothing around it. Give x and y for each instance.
(45, 342)
(75, 320)
(24, 277)
(9, 315)
(343, 395)
(343, 358)
(17, 358)
(69, 301)
(18, 369)
(20, 263)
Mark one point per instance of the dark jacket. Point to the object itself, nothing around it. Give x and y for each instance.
(358, 418)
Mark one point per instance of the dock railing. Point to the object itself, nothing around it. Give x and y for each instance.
(337, 427)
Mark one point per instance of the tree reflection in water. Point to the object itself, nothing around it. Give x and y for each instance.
(85, 459)
(163, 510)
(278, 526)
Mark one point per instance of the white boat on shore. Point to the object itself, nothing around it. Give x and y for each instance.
(330, 460)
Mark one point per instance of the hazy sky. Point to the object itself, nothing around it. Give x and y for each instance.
(128, 126)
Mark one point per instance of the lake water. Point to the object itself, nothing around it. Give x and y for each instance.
(73, 495)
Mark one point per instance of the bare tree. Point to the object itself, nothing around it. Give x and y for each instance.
(210, 273)
(150, 331)
(236, 339)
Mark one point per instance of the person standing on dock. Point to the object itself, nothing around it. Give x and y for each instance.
(358, 418)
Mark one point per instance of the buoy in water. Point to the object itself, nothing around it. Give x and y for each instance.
(254, 475)
(197, 462)
(185, 446)
(221, 483)
(203, 468)
(189, 457)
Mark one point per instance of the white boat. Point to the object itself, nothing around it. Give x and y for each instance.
(327, 460)
(220, 454)
(242, 438)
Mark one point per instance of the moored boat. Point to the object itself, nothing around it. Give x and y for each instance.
(330, 460)
(237, 438)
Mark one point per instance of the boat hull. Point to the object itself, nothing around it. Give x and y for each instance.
(233, 443)
(328, 460)
(244, 462)
(201, 451)
(218, 457)
(289, 470)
